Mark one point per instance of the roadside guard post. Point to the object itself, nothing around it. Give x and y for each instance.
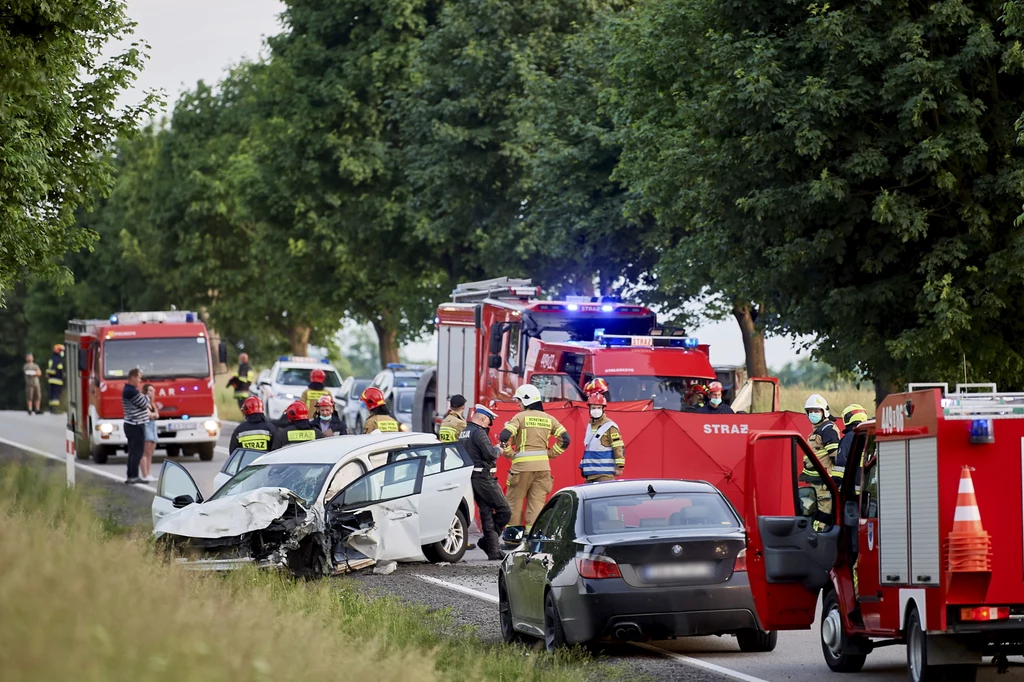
(69, 456)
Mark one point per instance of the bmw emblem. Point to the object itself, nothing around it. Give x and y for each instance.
(677, 550)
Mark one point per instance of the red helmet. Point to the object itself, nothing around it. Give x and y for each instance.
(597, 399)
(317, 376)
(297, 411)
(372, 398)
(325, 401)
(715, 386)
(252, 405)
(696, 389)
(596, 386)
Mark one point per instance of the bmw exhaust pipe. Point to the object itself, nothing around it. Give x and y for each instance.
(626, 632)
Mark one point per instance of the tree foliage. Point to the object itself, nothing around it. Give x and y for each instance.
(57, 117)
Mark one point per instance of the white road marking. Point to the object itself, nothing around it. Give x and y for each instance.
(83, 467)
(696, 662)
(679, 658)
(221, 449)
(459, 588)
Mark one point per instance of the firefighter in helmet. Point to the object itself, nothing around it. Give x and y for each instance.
(604, 455)
(256, 432)
(242, 379)
(55, 376)
(380, 420)
(695, 397)
(327, 419)
(824, 440)
(299, 430)
(852, 415)
(714, 403)
(315, 390)
(598, 385)
(525, 440)
(453, 422)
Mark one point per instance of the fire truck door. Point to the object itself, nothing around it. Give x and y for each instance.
(867, 582)
(788, 561)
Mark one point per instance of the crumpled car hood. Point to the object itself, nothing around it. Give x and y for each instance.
(230, 516)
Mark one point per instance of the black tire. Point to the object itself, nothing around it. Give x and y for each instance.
(917, 653)
(832, 629)
(508, 633)
(453, 547)
(173, 450)
(101, 453)
(205, 452)
(759, 641)
(554, 635)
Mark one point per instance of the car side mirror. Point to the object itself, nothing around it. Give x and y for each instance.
(183, 501)
(222, 353)
(83, 360)
(851, 515)
(497, 334)
(494, 361)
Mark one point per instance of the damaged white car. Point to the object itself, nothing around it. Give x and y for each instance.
(321, 507)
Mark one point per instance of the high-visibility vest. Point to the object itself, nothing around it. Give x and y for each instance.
(598, 458)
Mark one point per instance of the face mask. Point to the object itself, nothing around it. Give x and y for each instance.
(815, 417)
(716, 401)
(596, 412)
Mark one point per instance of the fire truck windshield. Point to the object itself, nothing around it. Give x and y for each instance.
(168, 358)
(667, 392)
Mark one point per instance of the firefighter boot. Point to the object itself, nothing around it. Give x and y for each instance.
(493, 546)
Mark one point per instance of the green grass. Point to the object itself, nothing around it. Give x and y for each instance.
(794, 397)
(80, 600)
(227, 406)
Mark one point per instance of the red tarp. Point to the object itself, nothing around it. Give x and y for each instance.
(666, 443)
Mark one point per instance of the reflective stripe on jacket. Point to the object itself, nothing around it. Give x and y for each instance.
(598, 458)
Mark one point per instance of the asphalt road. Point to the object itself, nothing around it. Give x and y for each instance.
(470, 589)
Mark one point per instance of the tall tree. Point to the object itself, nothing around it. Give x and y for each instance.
(57, 117)
(853, 166)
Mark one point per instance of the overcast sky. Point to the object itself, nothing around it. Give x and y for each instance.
(192, 40)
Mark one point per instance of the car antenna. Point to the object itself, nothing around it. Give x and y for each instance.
(651, 491)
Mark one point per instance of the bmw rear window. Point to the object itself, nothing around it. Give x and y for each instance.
(663, 511)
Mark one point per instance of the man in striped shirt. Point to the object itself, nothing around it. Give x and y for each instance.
(136, 415)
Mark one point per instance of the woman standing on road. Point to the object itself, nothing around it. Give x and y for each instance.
(150, 429)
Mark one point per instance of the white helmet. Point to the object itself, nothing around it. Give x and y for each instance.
(816, 402)
(527, 394)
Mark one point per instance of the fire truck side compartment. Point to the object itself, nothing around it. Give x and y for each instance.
(893, 545)
(923, 510)
(456, 371)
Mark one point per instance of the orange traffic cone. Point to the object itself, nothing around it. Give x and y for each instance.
(968, 546)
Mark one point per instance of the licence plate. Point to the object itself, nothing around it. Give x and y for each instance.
(680, 571)
(181, 426)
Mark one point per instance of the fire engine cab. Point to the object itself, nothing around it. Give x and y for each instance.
(497, 334)
(172, 350)
(927, 543)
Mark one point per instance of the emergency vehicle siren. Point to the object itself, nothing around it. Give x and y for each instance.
(968, 546)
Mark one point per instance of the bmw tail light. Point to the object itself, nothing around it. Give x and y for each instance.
(598, 568)
(741, 561)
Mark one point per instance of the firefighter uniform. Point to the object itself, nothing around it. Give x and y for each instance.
(530, 478)
(383, 423)
(494, 509)
(241, 382)
(451, 427)
(299, 431)
(55, 378)
(604, 454)
(824, 440)
(313, 393)
(255, 433)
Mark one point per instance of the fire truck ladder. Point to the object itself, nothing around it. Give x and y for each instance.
(502, 288)
(977, 401)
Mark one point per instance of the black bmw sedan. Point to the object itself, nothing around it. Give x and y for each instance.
(631, 560)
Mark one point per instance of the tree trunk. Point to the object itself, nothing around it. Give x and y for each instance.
(753, 339)
(387, 342)
(883, 387)
(298, 339)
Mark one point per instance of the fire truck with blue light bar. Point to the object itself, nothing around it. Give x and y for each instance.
(172, 348)
(926, 545)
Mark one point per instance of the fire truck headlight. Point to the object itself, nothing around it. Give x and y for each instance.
(403, 427)
(105, 429)
(211, 426)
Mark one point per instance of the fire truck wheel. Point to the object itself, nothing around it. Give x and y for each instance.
(101, 453)
(205, 452)
(757, 641)
(917, 657)
(833, 638)
(173, 450)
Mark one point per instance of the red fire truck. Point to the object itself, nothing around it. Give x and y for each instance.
(173, 351)
(927, 546)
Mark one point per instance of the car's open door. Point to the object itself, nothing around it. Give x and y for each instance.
(377, 516)
(174, 486)
(788, 560)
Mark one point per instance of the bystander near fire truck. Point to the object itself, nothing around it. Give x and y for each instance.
(172, 349)
(927, 546)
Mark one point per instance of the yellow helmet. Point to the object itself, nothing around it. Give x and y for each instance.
(854, 414)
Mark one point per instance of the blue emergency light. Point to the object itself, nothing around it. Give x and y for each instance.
(981, 432)
(573, 307)
(395, 365)
(189, 317)
(607, 308)
(325, 361)
(113, 319)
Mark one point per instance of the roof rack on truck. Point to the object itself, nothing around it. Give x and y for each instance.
(976, 401)
(497, 288)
